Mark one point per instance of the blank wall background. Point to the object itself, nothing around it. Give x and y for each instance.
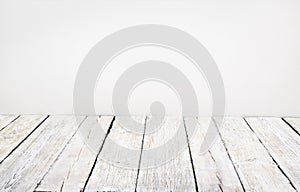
(256, 45)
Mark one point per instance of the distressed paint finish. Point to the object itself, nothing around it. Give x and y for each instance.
(282, 143)
(33, 158)
(5, 120)
(108, 177)
(214, 170)
(49, 154)
(257, 170)
(70, 171)
(174, 174)
(14, 134)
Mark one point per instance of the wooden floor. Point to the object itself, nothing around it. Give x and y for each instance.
(46, 153)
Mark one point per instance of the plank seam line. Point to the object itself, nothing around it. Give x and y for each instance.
(25, 138)
(226, 149)
(140, 160)
(220, 187)
(97, 156)
(62, 186)
(190, 154)
(270, 155)
(56, 159)
(10, 123)
(217, 172)
(290, 126)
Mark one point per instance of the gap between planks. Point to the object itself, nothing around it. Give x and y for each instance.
(282, 144)
(190, 152)
(96, 159)
(32, 158)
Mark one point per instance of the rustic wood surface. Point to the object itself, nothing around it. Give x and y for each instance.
(108, 175)
(155, 175)
(56, 153)
(5, 120)
(214, 170)
(282, 143)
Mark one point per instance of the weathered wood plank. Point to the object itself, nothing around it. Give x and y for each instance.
(33, 158)
(295, 123)
(282, 143)
(16, 132)
(159, 170)
(71, 169)
(214, 170)
(255, 167)
(107, 175)
(5, 120)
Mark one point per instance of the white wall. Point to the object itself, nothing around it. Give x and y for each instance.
(255, 44)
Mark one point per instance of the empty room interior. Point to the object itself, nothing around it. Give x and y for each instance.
(143, 95)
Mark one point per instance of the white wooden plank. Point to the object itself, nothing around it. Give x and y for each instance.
(294, 122)
(6, 120)
(33, 158)
(214, 169)
(16, 132)
(113, 177)
(282, 143)
(159, 170)
(255, 167)
(71, 169)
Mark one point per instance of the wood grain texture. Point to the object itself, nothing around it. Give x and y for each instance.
(33, 158)
(6, 120)
(159, 171)
(295, 123)
(108, 174)
(256, 169)
(70, 171)
(214, 170)
(51, 154)
(16, 132)
(282, 143)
